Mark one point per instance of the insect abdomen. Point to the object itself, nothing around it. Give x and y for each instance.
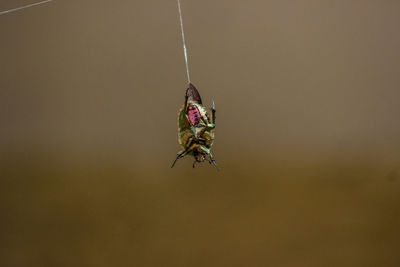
(194, 116)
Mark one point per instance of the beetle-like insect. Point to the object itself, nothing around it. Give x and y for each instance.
(196, 130)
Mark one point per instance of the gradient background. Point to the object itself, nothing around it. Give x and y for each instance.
(308, 134)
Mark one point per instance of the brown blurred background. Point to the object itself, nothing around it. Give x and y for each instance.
(308, 134)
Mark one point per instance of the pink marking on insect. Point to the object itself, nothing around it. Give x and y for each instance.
(194, 115)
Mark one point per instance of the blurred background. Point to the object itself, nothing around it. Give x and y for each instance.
(308, 134)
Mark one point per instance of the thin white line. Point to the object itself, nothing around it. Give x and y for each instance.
(183, 40)
(23, 7)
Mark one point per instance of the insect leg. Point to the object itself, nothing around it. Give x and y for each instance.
(207, 127)
(180, 155)
(213, 161)
(211, 157)
(183, 153)
(213, 112)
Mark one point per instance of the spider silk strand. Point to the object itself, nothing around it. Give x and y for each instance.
(23, 7)
(184, 42)
(180, 18)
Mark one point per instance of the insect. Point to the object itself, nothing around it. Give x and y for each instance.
(196, 130)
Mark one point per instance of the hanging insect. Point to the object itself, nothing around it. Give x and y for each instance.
(196, 130)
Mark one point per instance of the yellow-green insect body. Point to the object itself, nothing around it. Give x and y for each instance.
(196, 129)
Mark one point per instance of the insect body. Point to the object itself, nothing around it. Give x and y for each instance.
(196, 129)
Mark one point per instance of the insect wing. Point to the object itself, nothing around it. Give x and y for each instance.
(193, 94)
(183, 122)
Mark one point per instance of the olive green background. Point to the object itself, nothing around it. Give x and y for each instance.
(308, 134)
